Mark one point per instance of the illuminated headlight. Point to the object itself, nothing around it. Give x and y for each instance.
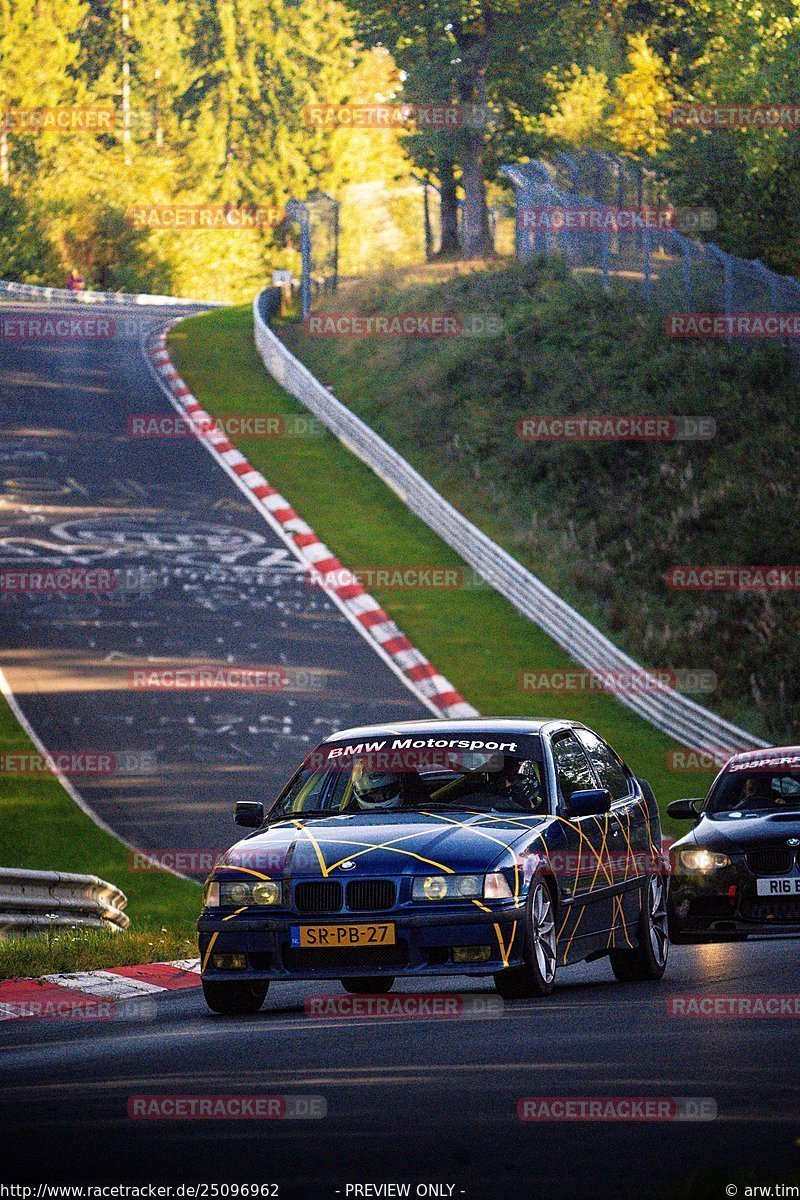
(703, 860)
(210, 895)
(238, 895)
(266, 892)
(497, 887)
(447, 887)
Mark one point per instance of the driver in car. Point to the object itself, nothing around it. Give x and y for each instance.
(518, 782)
(515, 785)
(756, 793)
(377, 791)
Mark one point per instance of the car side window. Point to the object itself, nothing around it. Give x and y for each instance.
(573, 772)
(308, 793)
(608, 767)
(314, 790)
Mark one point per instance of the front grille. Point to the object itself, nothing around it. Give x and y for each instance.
(324, 896)
(781, 910)
(357, 958)
(775, 861)
(371, 895)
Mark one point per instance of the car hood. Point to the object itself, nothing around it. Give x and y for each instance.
(385, 844)
(731, 834)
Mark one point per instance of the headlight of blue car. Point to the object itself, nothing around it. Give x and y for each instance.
(238, 895)
(461, 887)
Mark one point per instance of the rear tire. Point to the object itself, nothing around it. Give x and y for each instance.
(234, 998)
(537, 974)
(368, 985)
(649, 960)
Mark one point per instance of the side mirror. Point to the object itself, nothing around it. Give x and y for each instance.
(684, 810)
(248, 813)
(590, 803)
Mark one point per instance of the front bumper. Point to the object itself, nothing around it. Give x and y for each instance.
(724, 905)
(423, 945)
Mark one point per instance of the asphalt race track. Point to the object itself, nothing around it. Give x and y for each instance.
(407, 1100)
(200, 578)
(415, 1100)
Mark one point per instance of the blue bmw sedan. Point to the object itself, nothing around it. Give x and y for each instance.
(505, 847)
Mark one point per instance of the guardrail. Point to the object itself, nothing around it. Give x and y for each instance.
(30, 291)
(673, 713)
(34, 901)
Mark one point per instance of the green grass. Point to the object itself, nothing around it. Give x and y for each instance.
(473, 636)
(599, 522)
(89, 949)
(42, 829)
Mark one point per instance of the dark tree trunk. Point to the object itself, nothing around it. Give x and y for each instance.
(448, 198)
(476, 233)
(473, 43)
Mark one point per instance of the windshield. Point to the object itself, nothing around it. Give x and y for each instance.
(757, 789)
(351, 778)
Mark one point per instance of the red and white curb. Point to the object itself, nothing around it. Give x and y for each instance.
(326, 570)
(93, 994)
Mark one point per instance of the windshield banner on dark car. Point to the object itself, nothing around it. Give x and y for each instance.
(407, 754)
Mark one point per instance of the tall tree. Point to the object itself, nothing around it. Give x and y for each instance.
(38, 49)
(448, 46)
(731, 52)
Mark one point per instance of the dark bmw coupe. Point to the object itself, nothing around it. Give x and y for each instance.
(738, 871)
(489, 847)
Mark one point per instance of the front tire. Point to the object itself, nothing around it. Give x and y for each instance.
(649, 960)
(368, 985)
(234, 998)
(537, 974)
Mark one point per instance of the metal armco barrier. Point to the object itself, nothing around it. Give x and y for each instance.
(672, 712)
(33, 901)
(29, 291)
